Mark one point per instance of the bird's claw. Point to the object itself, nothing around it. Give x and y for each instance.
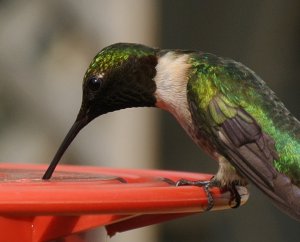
(235, 196)
(205, 185)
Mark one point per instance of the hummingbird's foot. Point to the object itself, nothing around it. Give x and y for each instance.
(235, 196)
(231, 187)
(205, 185)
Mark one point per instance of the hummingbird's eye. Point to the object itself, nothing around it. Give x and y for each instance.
(94, 83)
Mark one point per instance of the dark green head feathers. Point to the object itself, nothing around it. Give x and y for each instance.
(115, 55)
(120, 76)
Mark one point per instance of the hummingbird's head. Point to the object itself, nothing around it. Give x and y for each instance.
(120, 76)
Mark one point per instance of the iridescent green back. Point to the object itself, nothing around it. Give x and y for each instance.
(114, 55)
(211, 75)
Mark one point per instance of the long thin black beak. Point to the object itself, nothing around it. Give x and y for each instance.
(76, 127)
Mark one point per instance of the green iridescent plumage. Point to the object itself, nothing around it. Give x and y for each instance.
(113, 55)
(225, 108)
(230, 85)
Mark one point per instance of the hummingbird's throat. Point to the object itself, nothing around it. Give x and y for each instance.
(171, 87)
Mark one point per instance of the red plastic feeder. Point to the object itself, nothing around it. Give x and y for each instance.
(78, 199)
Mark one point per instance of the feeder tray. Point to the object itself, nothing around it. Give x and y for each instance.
(80, 198)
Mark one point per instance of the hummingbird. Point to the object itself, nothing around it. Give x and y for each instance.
(224, 107)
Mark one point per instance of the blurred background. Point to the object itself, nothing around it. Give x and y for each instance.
(46, 46)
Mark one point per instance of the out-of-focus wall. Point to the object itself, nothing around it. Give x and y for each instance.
(45, 48)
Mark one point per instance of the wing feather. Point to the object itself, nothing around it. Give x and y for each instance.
(250, 150)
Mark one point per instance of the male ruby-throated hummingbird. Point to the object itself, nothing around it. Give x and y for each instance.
(224, 107)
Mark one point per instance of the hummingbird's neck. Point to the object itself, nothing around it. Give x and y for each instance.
(172, 73)
(171, 80)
